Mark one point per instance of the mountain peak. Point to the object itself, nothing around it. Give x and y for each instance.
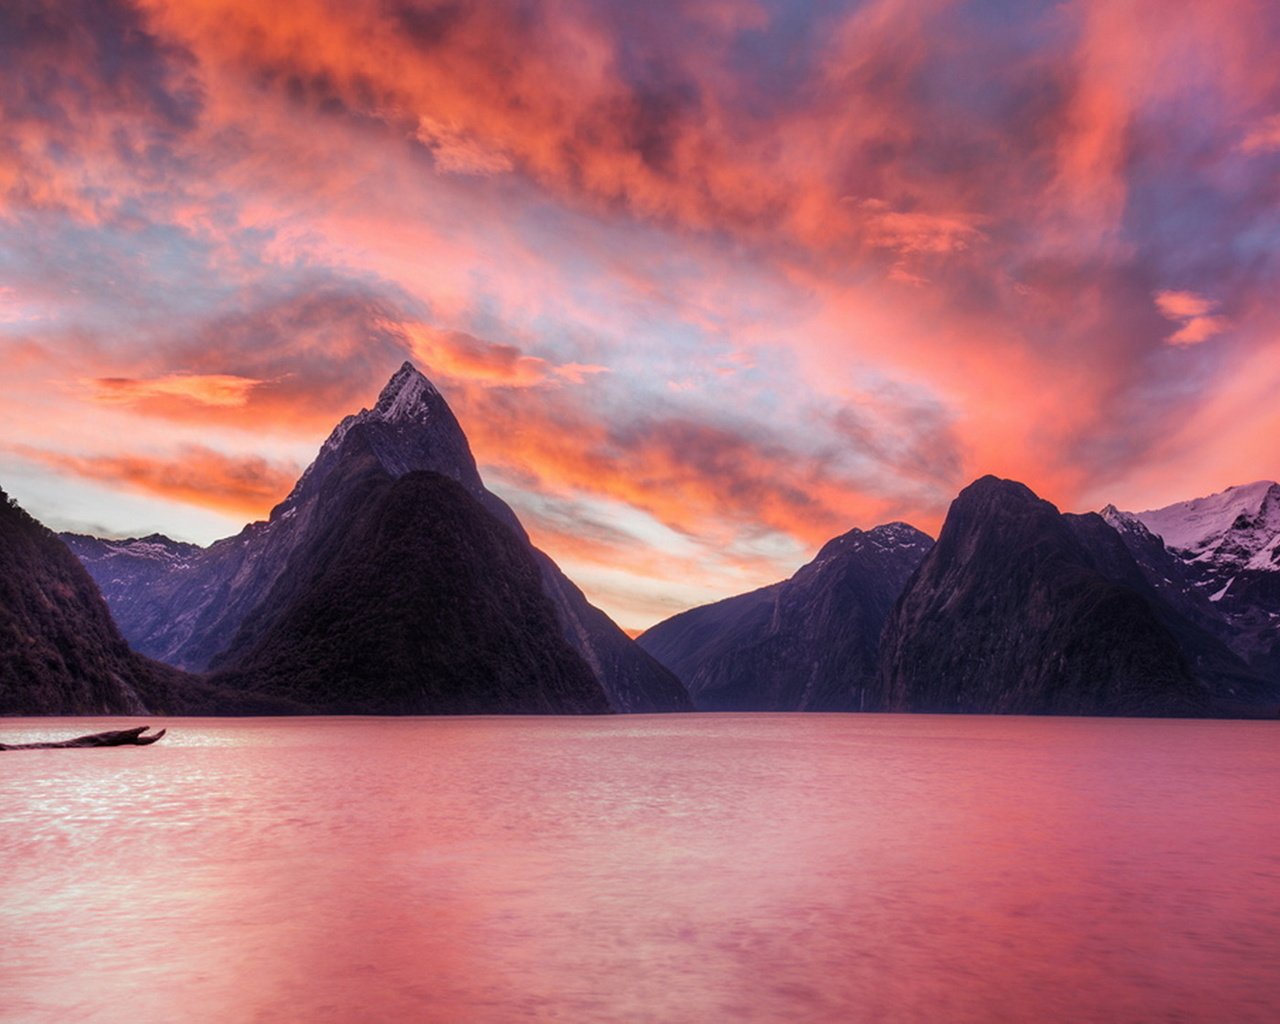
(992, 486)
(1202, 524)
(405, 395)
(991, 496)
(410, 427)
(886, 536)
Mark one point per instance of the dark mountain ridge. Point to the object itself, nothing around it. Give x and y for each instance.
(191, 610)
(60, 651)
(808, 643)
(412, 599)
(1019, 609)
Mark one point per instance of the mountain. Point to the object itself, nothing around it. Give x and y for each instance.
(1019, 609)
(191, 613)
(1239, 526)
(412, 599)
(1218, 558)
(60, 652)
(808, 643)
(127, 571)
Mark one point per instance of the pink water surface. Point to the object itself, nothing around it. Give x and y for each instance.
(695, 868)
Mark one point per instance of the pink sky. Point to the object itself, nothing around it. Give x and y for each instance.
(706, 284)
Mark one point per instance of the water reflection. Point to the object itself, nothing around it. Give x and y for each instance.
(687, 868)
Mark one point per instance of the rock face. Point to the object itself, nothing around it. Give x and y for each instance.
(190, 613)
(1218, 560)
(809, 643)
(411, 600)
(60, 653)
(128, 573)
(1021, 610)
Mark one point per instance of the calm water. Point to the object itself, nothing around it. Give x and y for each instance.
(699, 868)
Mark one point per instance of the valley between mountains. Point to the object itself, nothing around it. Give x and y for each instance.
(392, 581)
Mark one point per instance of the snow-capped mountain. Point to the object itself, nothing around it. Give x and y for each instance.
(1218, 557)
(1238, 527)
(191, 613)
(410, 427)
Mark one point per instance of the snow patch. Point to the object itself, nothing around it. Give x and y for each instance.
(1237, 528)
(1191, 525)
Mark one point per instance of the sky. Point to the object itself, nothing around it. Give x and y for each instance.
(706, 283)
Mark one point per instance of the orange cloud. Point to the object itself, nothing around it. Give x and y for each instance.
(700, 479)
(1194, 313)
(223, 390)
(194, 474)
(917, 231)
(456, 153)
(368, 180)
(458, 355)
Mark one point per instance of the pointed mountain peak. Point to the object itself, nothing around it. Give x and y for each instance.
(407, 395)
(1117, 519)
(1127, 523)
(410, 427)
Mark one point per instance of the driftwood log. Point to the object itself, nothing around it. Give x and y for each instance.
(119, 738)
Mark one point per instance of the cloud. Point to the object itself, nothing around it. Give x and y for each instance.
(233, 220)
(93, 106)
(216, 389)
(289, 358)
(699, 477)
(1264, 137)
(1194, 313)
(459, 355)
(919, 232)
(193, 474)
(456, 153)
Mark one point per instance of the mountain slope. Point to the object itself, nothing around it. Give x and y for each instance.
(192, 612)
(60, 652)
(1021, 610)
(411, 600)
(1221, 554)
(806, 644)
(1240, 525)
(128, 572)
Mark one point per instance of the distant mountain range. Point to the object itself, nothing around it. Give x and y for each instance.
(60, 651)
(1018, 609)
(391, 581)
(810, 643)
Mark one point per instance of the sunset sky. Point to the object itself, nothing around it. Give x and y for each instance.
(706, 283)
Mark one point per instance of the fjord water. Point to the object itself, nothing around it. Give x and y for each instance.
(665, 868)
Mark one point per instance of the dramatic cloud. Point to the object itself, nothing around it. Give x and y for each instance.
(218, 389)
(456, 354)
(712, 280)
(199, 476)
